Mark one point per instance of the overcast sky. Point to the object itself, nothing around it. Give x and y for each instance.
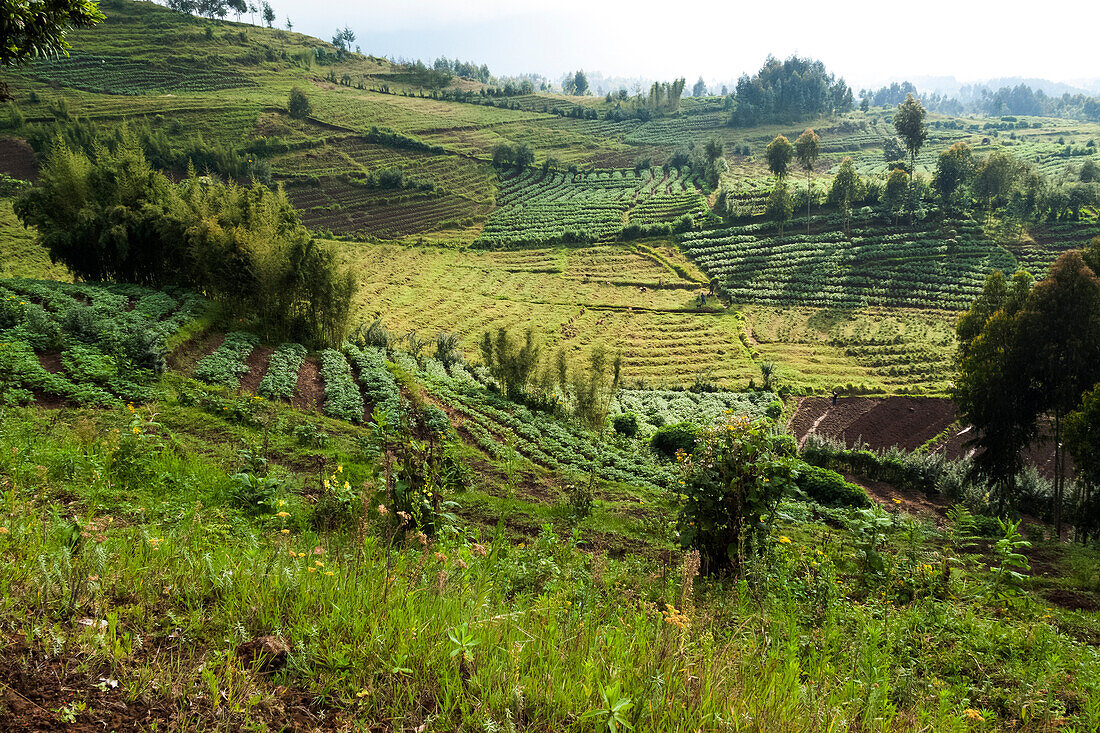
(864, 41)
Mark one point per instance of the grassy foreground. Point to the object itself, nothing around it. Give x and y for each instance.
(137, 571)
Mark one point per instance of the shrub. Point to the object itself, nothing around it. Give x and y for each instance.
(626, 424)
(732, 485)
(774, 409)
(670, 439)
(298, 105)
(829, 487)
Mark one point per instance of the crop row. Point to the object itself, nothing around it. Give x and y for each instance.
(226, 364)
(282, 372)
(342, 397)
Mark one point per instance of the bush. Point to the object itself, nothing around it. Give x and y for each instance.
(774, 409)
(732, 485)
(626, 424)
(298, 105)
(829, 487)
(670, 439)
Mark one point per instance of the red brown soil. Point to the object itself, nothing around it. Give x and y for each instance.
(185, 356)
(893, 499)
(17, 159)
(51, 362)
(257, 363)
(310, 392)
(905, 422)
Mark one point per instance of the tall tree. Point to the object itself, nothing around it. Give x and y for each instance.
(700, 88)
(897, 185)
(807, 148)
(31, 29)
(992, 388)
(779, 208)
(909, 124)
(1060, 331)
(994, 179)
(779, 154)
(847, 187)
(268, 13)
(954, 171)
(1083, 443)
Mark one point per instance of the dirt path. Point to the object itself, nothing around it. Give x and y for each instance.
(310, 392)
(257, 363)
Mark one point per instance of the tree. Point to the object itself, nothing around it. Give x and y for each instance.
(503, 155)
(994, 179)
(1060, 335)
(577, 84)
(1083, 443)
(909, 124)
(897, 184)
(524, 156)
(289, 25)
(992, 388)
(700, 88)
(268, 13)
(31, 29)
(779, 154)
(807, 148)
(298, 105)
(244, 247)
(239, 8)
(779, 208)
(847, 187)
(954, 170)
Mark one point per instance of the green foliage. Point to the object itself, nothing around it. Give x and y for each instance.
(32, 30)
(829, 488)
(281, 378)
(625, 424)
(731, 486)
(298, 106)
(779, 154)
(226, 365)
(670, 440)
(342, 397)
(244, 246)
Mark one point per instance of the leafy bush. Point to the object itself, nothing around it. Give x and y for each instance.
(732, 485)
(626, 424)
(671, 439)
(829, 487)
(774, 409)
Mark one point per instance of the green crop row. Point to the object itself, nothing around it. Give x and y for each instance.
(282, 372)
(226, 365)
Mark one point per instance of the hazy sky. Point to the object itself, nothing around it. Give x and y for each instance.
(864, 41)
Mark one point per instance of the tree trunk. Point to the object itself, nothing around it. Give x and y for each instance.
(807, 201)
(1058, 474)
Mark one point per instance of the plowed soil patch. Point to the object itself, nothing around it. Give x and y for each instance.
(17, 159)
(257, 363)
(310, 392)
(905, 422)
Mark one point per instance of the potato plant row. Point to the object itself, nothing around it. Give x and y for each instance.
(226, 365)
(282, 372)
(342, 397)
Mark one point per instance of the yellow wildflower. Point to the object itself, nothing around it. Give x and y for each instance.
(784, 540)
(284, 515)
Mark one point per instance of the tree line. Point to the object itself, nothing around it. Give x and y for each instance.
(788, 91)
(110, 216)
